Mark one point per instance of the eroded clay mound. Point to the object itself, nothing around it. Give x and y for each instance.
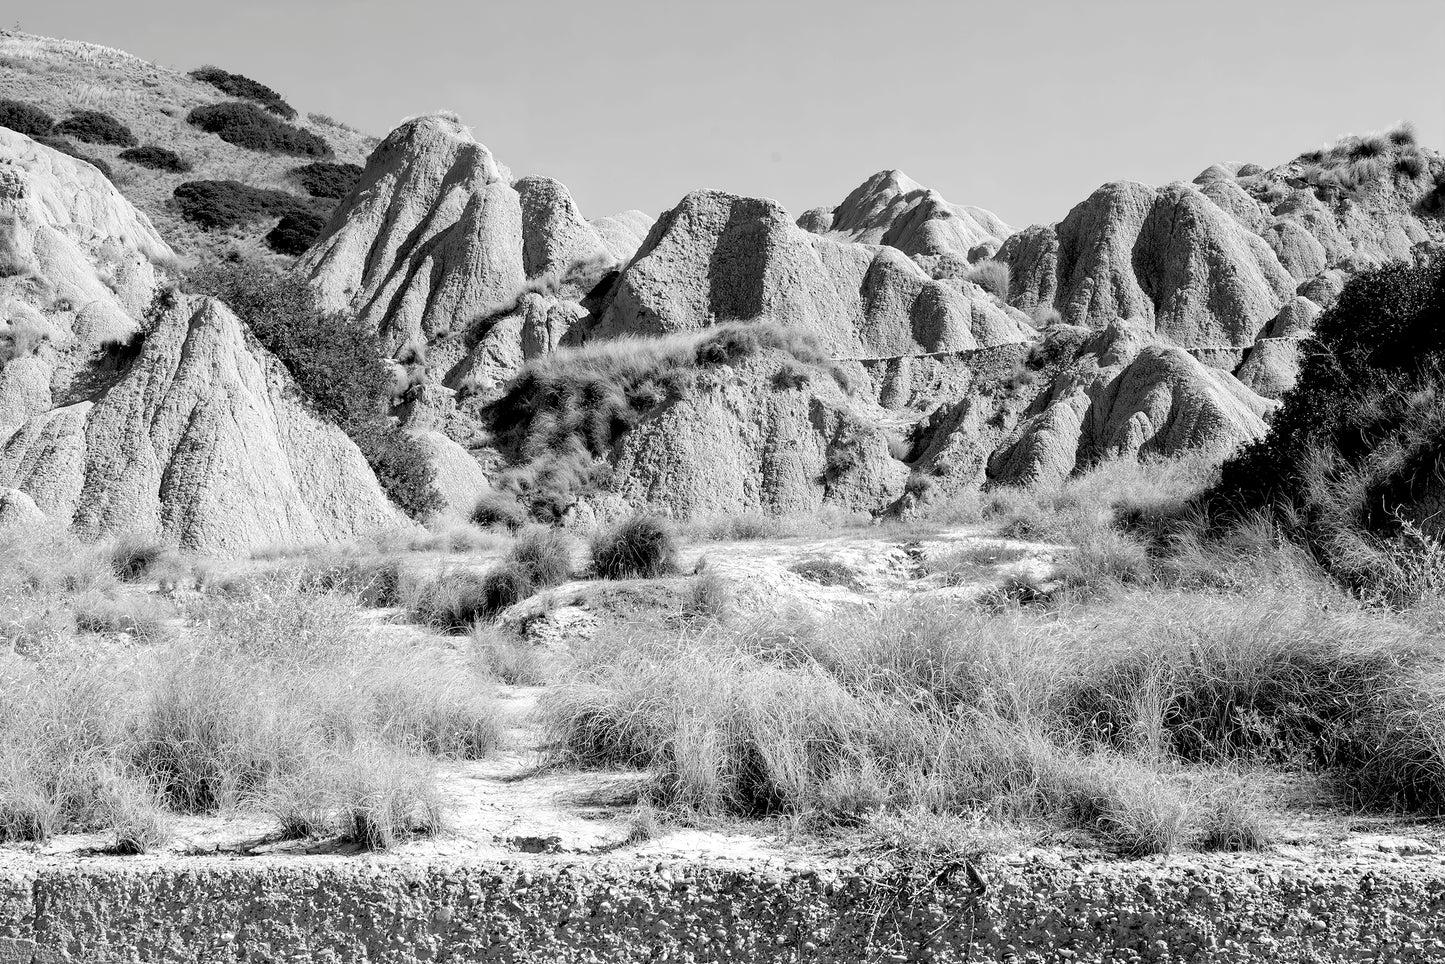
(1129, 394)
(1168, 257)
(205, 441)
(718, 258)
(891, 208)
(764, 434)
(442, 252)
(76, 270)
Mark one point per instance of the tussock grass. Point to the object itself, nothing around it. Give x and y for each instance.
(640, 546)
(507, 659)
(268, 676)
(991, 276)
(1109, 713)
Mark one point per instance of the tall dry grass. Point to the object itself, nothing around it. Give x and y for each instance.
(238, 704)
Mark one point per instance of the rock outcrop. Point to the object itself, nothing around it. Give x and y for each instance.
(440, 248)
(891, 208)
(1127, 393)
(186, 428)
(718, 258)
(204, 441)
(763, 434)
(1169, 257)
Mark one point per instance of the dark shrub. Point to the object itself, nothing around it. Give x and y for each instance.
(455, 602)
(504, 586)
(248, 126)
(67, 147)
(544, 556)
(133, 557)
(1360, 438)
(295, 232)
(225, 204)
(25, 118)
(328, 179)
(640, 546)
(239, 85)
(497, 508)
(156, 158)
(96, 127)
(336, 363)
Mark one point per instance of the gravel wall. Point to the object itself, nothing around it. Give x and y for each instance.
(1034, 908)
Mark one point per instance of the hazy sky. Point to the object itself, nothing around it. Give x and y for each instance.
(1020, 107)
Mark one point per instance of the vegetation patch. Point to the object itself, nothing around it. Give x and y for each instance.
(295, 232)
(560, 416)
(1348, 168)
(269, 700)
(1354, 457)
(25, 118)
(156, 158)
(225, 204)
(96, 127)
(248, 126)
(238, 85)
(327, 179)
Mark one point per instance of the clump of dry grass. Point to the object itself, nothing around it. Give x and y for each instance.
(508, 659)
(1111, 715)
(640, 546)
(267, 677)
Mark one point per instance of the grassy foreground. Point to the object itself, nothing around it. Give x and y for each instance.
(1140, 700)
(119, 706)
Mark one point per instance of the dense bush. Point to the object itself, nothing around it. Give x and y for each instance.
(238, 85)
(25, 118)
(156, 158)
(67, 147)
(1358, 443)
(327, 179)
(248, 126)
(96, 127)
(639, 546)
(295, 232)
(225, 204)
(337, 363)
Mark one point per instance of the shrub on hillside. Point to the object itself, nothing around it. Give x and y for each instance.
(295, 232)
(238, 85)
(642, 546)
(991, 276)
(225, 204)
(96, 127)
(248, 126)
(1357, 443)
(327, 179)
(156, 158)
(336, 363)
(562, 414)
(25, 118)
(67, 147)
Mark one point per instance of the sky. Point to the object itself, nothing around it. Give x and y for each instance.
(1023, 108)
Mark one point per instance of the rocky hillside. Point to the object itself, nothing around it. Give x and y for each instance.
(64, 78)
(1149, 321)
(123, 412)
(872, 356)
